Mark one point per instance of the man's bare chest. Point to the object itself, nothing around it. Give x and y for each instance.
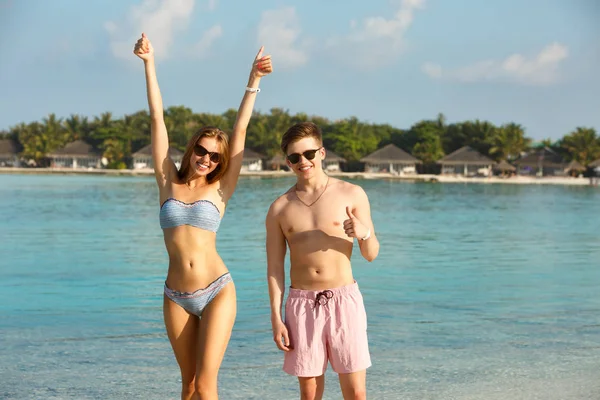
(312, 223)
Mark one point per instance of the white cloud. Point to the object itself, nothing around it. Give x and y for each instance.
(279, 31)
(541, 69)
(159, 19)
(212, 4)
(378, 40)
(206, 41)
(431, 69)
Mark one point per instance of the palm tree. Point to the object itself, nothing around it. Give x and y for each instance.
(479, 134)
(508, 142)
(99, 128)
(476, 134)
(36, 141)
(179, 125)
(428, 134)
(441, 121)
(205, 119)
(76, 127)
(140, 129)
(582, 145)
(55, 134)
(549, 143)
(352, 139)
(261, 139)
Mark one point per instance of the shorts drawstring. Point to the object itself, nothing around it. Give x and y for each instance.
(322, 298)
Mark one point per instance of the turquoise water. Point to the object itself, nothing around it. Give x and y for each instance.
(479, 292)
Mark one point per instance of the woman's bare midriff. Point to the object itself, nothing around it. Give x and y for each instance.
(193, 259)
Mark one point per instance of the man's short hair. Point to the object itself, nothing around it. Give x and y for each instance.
(300, 131)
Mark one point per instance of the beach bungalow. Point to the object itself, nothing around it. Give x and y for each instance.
(391, 159)
(277, 162)
(9, 156)
(467, 162)
(332, 161)
(504, 168)
(542, 162)
(142, 159)
(595, 166)
(76, 155)
(252, 161)
(574, 168)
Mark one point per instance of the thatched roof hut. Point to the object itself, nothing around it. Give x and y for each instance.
(251, 155)
(76, 149)
(77, 154)
(332, 157)
(466, 161)
(9, 153)
(390, 154)
(466, 156)
(504, 166)
(543, 161)
(575, 166)
(8, 148)
(545, 157)
(391, 159)
(277, 161)
(252, 160)
(146, 152)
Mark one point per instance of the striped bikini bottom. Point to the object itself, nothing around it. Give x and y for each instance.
(196, 302)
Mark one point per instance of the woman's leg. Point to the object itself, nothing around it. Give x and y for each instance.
(214, 333)
(182, 329)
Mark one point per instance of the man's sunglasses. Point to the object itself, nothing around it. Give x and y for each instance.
(294, 158)
(200, 151)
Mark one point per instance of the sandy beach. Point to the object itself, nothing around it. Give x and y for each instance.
(515, 180)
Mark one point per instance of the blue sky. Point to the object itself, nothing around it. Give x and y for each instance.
(534, 62)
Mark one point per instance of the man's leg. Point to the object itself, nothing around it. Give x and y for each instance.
(307, 358)
(354, 385)
(349, 345)
(312, 388)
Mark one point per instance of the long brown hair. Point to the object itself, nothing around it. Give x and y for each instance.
(185, 172)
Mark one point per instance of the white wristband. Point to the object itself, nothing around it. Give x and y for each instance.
(252, 90)
(368, 235)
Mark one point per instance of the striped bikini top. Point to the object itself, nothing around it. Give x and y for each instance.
(202, 214)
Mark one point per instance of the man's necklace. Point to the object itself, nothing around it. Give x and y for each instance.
(309, 205)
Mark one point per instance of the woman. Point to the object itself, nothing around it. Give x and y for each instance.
(199, 295)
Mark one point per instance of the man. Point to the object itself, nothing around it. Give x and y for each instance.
(325, 319)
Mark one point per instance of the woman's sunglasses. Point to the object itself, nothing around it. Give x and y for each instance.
(200, 151)
(294, 158)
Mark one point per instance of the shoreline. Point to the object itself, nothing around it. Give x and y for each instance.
(425, 178)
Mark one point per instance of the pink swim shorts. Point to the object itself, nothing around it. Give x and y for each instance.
(328, 325)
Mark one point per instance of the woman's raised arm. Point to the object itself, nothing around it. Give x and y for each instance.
(164, 168)
(261, 66)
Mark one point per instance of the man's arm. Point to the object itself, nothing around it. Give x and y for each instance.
(276, 249)
(361, 225)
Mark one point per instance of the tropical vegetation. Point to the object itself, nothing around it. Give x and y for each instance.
(429, 140)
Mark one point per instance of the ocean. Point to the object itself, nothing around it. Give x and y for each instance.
(487, 292)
